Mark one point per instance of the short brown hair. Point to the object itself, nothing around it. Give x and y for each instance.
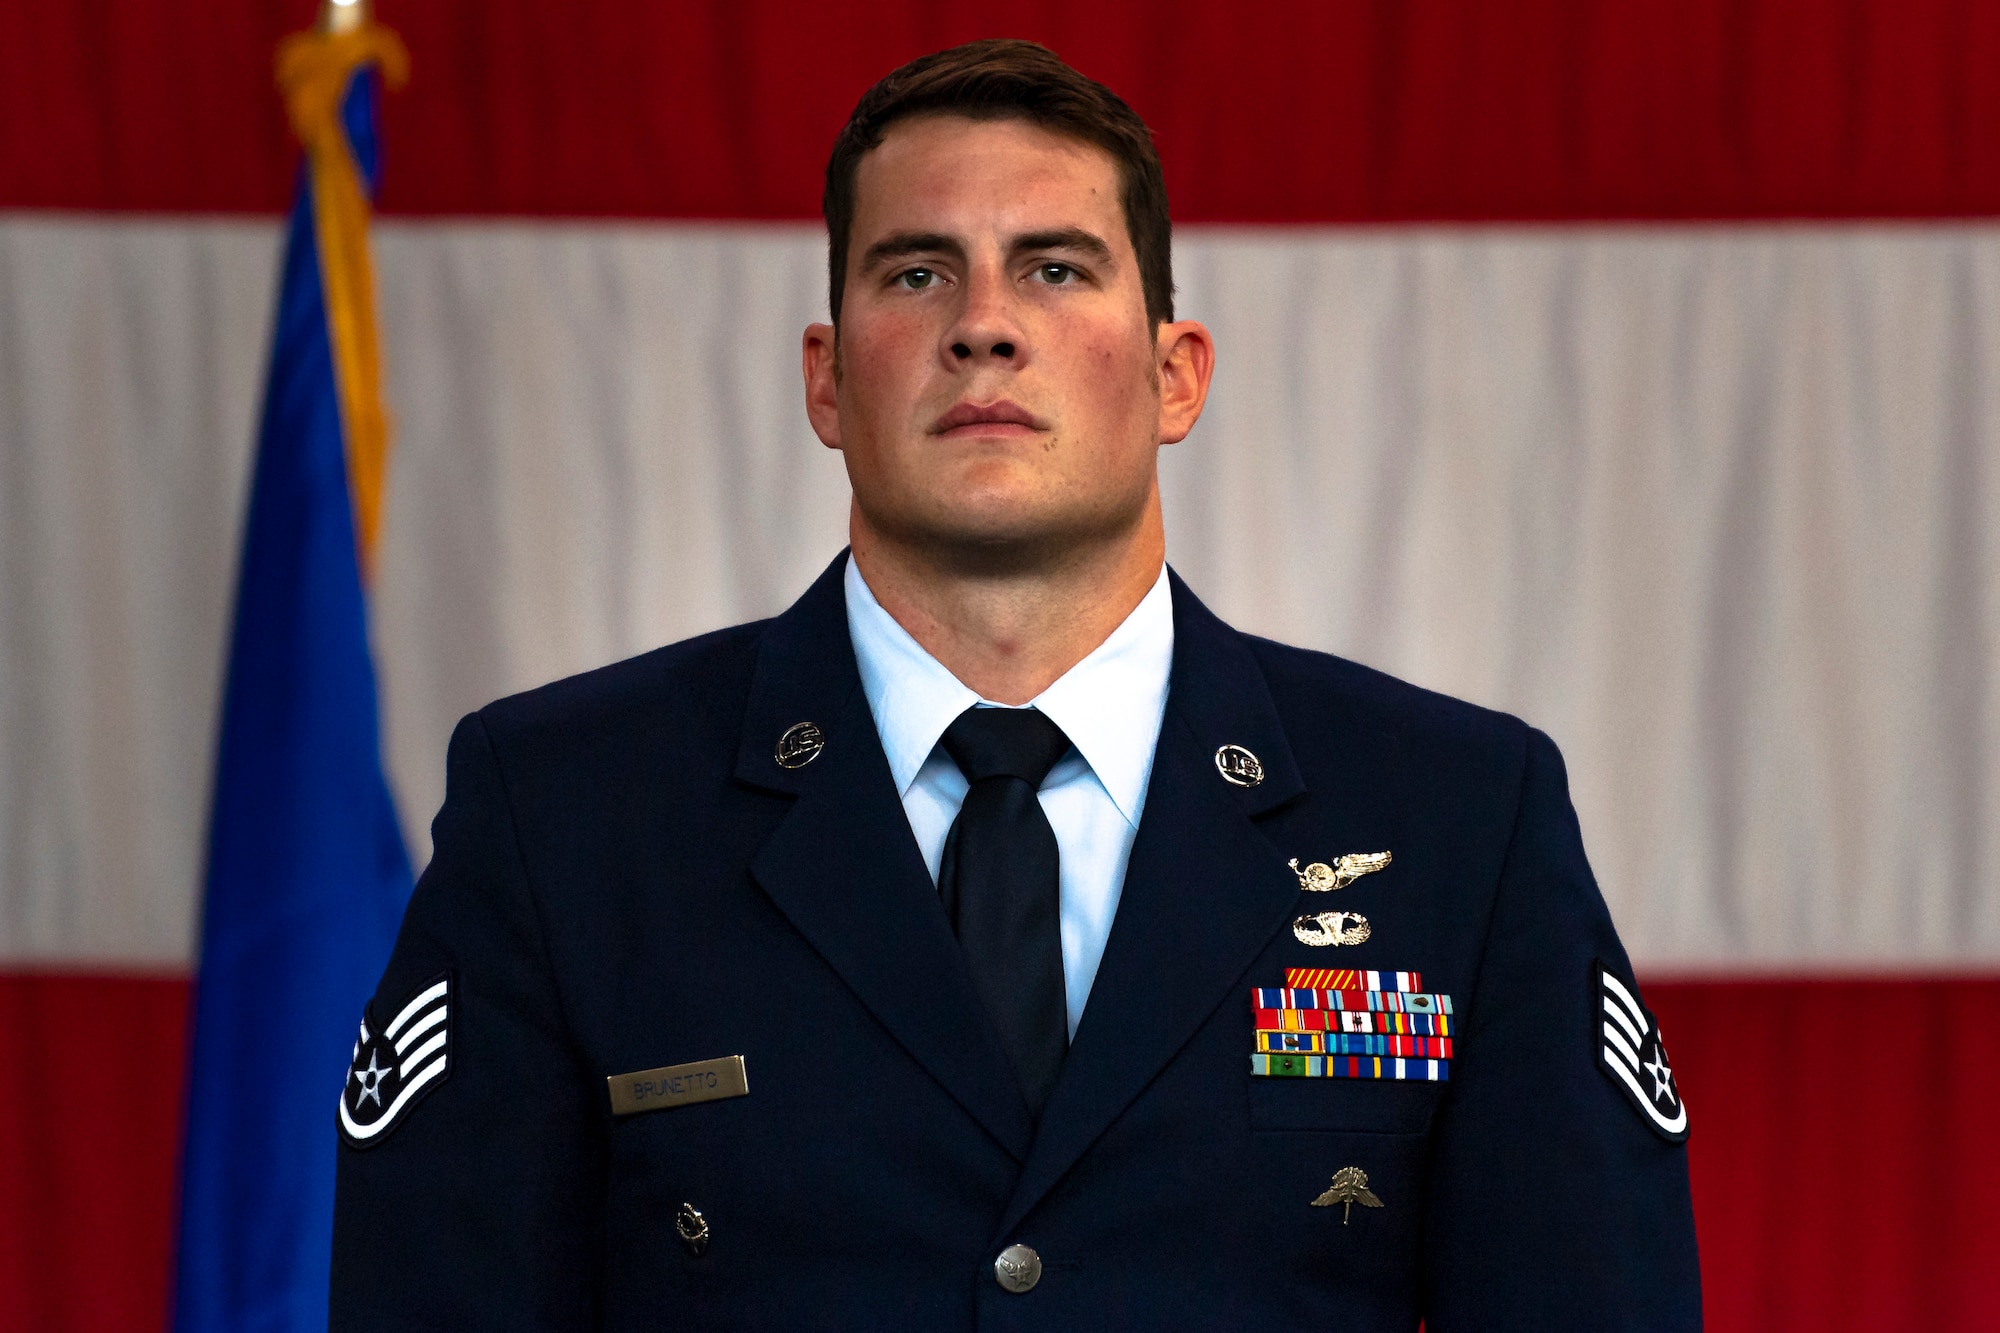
(1004, 79)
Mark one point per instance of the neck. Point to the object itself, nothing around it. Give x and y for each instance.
(1011, 630)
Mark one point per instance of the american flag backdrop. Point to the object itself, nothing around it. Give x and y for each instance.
(1630, 365)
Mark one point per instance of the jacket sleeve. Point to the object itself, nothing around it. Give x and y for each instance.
(1553, 1202)
(480, 1206)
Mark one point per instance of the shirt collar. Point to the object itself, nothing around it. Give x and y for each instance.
(1109, 704)
(910, 693)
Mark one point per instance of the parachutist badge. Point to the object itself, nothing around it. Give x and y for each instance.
(1350, 1186)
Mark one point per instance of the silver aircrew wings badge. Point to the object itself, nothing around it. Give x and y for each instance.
(1319, 877)
(396, 1064)
(1629, 1051)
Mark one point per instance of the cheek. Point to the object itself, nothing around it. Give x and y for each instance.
(882, 366)
(1117, 381)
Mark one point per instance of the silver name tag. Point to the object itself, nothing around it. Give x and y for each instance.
(678, 1085)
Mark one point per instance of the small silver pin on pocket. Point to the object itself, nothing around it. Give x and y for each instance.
(1350, 1186)
(692, 1228)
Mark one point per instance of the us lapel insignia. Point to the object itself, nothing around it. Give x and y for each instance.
(1239, 767)
(799, 746)
(1350, 1186)
(396, 1065)
(1319, 877)
(1319, 928)
(1327, 1022)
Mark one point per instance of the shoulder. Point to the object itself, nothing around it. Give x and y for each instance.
(1332, 705)
(660, 699)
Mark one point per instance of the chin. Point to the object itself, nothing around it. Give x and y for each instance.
(1003, 538)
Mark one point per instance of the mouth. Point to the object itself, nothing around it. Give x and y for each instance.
(999, 418)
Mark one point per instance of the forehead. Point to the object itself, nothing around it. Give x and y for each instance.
(966, 177)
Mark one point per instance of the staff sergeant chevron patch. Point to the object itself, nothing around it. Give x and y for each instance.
(396, 1065)
(1630, 1053)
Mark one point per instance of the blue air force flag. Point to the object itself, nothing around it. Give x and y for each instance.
(307, 873)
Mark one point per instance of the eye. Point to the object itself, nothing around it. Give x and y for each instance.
(916, 279)
(1054, 274)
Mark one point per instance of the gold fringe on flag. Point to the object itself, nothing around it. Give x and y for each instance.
(313, 70)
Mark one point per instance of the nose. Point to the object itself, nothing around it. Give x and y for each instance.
(988, 329)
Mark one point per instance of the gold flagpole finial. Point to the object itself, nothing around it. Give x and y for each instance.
(343, 15)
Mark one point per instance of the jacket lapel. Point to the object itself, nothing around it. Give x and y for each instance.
(844, 869)
(1203, 895)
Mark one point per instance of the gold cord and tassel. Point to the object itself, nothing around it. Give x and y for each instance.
(313, 70)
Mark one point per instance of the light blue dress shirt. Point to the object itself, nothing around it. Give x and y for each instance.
(1109, 705)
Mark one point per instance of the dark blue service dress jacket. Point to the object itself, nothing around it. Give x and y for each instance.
(626, 879)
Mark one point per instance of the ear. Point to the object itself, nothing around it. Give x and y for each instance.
(1186, 358)
(820, 356)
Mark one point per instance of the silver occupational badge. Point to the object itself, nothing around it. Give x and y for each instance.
(396, 1064)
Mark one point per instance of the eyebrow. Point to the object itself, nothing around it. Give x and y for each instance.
(902, 244)
(1064, 238)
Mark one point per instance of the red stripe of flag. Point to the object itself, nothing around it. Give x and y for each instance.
(1368, 111)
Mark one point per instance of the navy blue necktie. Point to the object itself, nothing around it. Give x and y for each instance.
(1001, 885)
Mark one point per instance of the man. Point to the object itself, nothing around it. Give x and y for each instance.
(997, 938)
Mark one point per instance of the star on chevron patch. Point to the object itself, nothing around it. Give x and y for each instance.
(396, 1064)
(1632, 1056)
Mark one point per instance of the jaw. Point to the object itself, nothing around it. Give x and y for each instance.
(998, 519)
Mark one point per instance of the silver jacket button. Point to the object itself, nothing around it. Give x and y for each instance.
(1018, 1269)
